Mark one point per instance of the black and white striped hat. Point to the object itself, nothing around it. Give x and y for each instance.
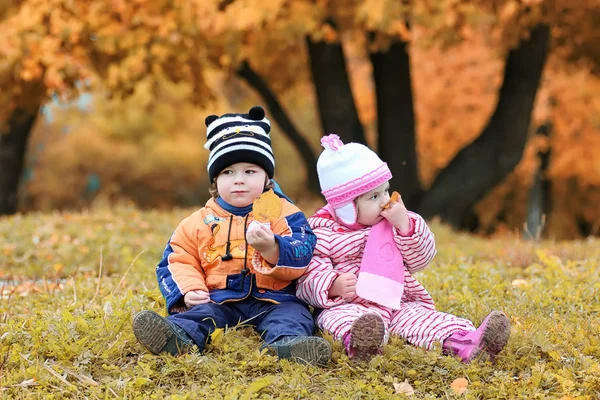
(234, 138)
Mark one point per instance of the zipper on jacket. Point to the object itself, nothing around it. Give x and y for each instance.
(244, 271)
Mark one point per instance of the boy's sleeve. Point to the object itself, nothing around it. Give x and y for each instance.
(180, 270)
(296, 242)
(313, 287)
(417, 245)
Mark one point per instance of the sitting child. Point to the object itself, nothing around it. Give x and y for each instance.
(220, 268)
(361, 271)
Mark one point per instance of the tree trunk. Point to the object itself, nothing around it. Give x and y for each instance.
(484, 163)
(334, 94)
(396, 119)
(285, 123)
(13, 145)
(539, 203)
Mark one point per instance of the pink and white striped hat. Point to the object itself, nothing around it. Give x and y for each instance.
(347, 171)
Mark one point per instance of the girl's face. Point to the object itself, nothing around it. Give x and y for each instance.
(370, 204)
(241, 183)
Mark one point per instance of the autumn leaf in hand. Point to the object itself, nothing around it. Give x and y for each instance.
(393, 197)
(267, 207)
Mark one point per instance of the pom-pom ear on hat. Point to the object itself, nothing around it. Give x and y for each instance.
(210, 119)
(256, 113)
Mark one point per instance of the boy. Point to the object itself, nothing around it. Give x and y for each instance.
(218, 269)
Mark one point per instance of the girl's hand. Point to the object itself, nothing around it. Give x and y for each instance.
(196, 297)
(397, 215)
(344, 286)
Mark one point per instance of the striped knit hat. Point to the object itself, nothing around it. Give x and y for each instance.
(234, 138)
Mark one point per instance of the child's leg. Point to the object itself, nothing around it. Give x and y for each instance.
(202, 320)
(485, 342)
(177, 333)
(276, 321)
(338, 320)
(362, 329)
(158, 335)
(422, 326)
(366, 336)
(287, 330)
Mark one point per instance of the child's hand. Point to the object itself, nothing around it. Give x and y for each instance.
(344, 286)
(196, 297)
(263, 240)
(397, 215)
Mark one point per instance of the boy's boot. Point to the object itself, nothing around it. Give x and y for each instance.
(312, 350)
(158, 335)
(486, 342)
(365, 338)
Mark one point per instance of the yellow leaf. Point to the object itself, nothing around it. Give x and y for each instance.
(267, 207)
(258, 385)
(459, 385)
(519, 282)
(404, 388)
(555, 355)
(26, 383)
(217, 336)
(393, 198)
(87, 380)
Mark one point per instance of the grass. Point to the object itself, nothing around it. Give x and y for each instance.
(71, 283)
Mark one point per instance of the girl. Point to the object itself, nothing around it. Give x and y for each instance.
(361, 272)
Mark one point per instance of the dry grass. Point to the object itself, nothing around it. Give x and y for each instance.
(72, 282)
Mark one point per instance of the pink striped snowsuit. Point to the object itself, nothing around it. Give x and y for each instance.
(340, 249)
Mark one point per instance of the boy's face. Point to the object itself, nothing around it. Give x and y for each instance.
(241, 183)
(370, 204)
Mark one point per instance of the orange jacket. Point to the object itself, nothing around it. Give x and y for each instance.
(196, 257)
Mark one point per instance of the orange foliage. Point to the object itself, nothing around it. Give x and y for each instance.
(149, 153)
(457, 47)
(455, 92)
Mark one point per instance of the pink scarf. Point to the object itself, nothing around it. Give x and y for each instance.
(381, 274)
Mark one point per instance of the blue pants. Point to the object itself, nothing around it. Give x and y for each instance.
(271, 321)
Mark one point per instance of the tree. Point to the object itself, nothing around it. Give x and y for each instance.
(60, 47)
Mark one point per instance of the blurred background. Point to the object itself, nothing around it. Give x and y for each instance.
(487, 111)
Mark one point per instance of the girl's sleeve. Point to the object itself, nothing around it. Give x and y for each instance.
(313, 287)
(417, 245)
(180, 271)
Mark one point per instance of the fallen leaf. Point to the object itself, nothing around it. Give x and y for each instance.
(404, 388)
(87, 380)
(26, 383)
(459, 385)
(217, 336)
(519, 282)
(258, 385)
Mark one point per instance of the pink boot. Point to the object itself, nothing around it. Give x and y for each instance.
(486, 342)
(365, 337)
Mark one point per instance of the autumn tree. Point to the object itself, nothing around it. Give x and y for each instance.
(60, 47)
